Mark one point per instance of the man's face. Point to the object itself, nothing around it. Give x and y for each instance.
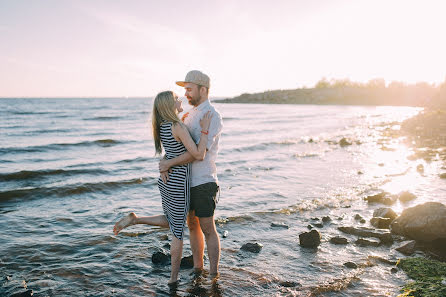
(192, 93)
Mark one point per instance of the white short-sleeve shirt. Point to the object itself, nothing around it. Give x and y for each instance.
(204, 171)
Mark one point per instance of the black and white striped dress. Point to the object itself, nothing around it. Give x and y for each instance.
(175, 193)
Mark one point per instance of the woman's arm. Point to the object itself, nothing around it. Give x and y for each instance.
(198, 152)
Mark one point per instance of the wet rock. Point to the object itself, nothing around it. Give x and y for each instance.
(338, 240)
(362, 221)
(443, 175)
(23, 294)
(406, 196)
(187, 262)
(160, 257)
(360, 172)
(345, 142)
(166, 245)
(425, 222)
(420, 168)
(351, 265)
(358, 217)
(252, 247)
(164, 237)
(315, 219)
(381, 223)
(326, 219)
(225, 234)
(339, 218)
(366, 242)
(279, 225)
(381, 164)
(384, 236)
(394, 270)
(319, 225)
(408, 248)
(310, 227)
(289, 284)
(384, 198)
(385, 212)
(310, 239)
(379, 259)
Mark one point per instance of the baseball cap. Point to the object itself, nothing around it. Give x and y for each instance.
(197, 77)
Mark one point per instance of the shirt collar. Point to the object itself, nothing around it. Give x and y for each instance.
(202, 106)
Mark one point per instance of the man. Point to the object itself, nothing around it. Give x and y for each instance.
(204, 188)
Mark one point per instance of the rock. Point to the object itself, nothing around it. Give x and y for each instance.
(310, 239)
(384, 198)
(252, 247)
(366, 242)
(319, 225)
(166, 245)
(360, 172)
(225, 234)
(384, 236)
(187, 262)
(394, 270)
(23, 294)
(164, 237)
(358, 217)
(326, 219)
(344, 142)
(160, 257)
(310, 227)
(420, 168)
(279, 225)
(315, 219)
(385, 212)
(362, 221)
(406, 196)
(381, 164)
(351, 265)
(408, 248)
(338, 240)
(381, 223)
(443, 175)
(425, 222)
(289, 284)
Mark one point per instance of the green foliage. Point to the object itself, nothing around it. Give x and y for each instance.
(428, 276)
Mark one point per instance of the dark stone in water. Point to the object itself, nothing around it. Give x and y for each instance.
(381, 223)
(338, 240)
(23, 294)
(408, 248)
(166, 245)
(225, 234)
(160, 257)
(394, 270)
(383, 197)
(319, 225)
(385, 212)
(360, 172)
(358, 217)
(289, 284)
(164, 237)
(362, 221)
(420, 168)
(366, 242)
(315, 219)
(351, 265)
(443, 175)
(279, 225)
(310, 227)
(252, 247)
(384, 236)
(310, 239)
(326, 219)
(406, 196)
(187, 262)
(344, 142)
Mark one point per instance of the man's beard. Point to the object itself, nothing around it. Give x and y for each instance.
(194, 100)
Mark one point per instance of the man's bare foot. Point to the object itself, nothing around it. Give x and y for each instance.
(124, 223)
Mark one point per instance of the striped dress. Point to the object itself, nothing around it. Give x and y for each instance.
(175, 194)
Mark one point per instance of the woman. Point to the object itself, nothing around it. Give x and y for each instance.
(172, 135)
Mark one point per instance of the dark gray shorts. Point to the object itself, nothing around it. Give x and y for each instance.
(203, 199)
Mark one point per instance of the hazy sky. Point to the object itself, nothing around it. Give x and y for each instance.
(138, 48)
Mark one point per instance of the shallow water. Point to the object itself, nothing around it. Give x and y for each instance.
(71, 168)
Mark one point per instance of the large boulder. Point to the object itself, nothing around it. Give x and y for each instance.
(385, 212)
(424, 222)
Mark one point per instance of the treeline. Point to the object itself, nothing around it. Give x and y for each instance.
(344, 91)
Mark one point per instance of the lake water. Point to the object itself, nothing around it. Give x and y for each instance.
(70, 168)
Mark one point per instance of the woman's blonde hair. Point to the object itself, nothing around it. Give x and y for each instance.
(163, 110)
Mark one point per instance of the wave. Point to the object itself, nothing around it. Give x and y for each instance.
(59, 146)
(268, 145)
(37, 174)
(70, 190)
(102, 118)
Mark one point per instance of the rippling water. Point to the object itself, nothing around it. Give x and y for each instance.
(70, 168)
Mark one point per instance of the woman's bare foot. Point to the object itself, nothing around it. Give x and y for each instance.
(129, 220)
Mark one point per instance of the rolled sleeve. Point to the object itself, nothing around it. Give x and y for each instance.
(214, 129)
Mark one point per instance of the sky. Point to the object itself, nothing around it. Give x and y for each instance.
(80, 48)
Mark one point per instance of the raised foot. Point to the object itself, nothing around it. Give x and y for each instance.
(124, 223)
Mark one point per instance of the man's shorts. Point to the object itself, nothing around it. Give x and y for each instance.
(203, 199)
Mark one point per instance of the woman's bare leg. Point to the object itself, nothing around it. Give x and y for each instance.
(176, 251)
(132, 219)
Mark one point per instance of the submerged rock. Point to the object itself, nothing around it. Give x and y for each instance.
(420, 168)
(406, 196)
(187, 262)
(381, 223)
(289, 284)
(443, 175)
(352, 265)
(383, 197)
(408, 248)
(279, 225)
(345, 142)
(160, 257)
(366, 242)
(23, 294)
(358, 217)
(425, 222)
(252, 247)
(338, 240)
(385, 212)
(310, 239)
(326, 219)
(384, 236)
(319, 225)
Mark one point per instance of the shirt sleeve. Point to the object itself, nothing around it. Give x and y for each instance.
(215, 129)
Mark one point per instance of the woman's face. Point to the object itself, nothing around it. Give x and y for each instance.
(178, 103)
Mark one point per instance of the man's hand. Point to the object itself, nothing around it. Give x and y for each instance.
(163, 166)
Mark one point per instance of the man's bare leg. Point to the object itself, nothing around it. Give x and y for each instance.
(196, 240)
(212, 243)
(132, 219)
(176, 251)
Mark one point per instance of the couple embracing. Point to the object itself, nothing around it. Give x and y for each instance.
(188, 175)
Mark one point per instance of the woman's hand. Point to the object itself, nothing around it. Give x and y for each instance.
(205, 122)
